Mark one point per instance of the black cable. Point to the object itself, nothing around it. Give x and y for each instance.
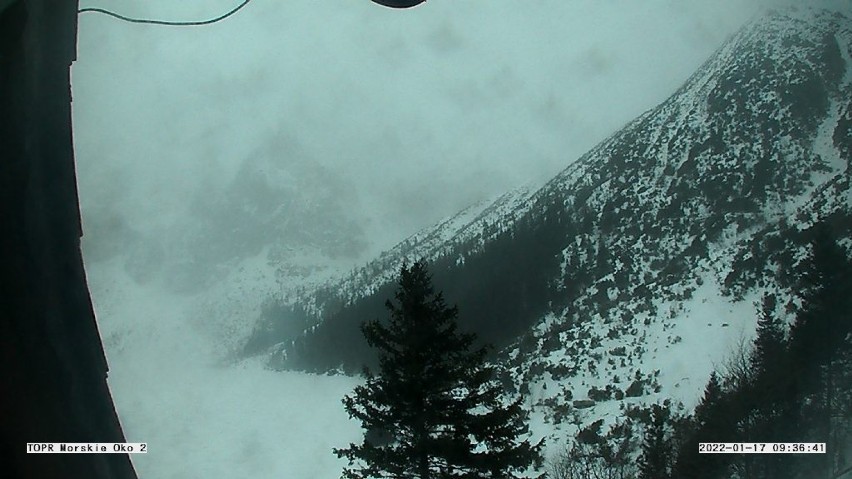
(164, 22)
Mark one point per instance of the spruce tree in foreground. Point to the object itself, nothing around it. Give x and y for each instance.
(433, 398)
(657, 448)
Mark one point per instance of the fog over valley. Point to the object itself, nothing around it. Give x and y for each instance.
(227, 172)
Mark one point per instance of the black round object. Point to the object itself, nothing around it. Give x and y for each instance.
(399, 3)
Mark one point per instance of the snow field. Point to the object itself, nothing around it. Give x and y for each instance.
(202, 418)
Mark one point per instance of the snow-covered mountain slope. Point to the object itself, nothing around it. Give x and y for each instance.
(754, 147)
(276, 225)
(634, 272)
(475, 224)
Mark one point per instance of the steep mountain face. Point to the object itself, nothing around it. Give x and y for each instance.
(298, 308)
(275, 223)
(634, 271)
(271, 206)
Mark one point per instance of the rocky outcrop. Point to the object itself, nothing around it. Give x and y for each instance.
(53, 370)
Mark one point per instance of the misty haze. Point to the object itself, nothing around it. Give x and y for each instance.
(624, 199)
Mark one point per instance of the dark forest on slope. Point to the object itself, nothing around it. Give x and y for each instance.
(501, 299)
(733, 162)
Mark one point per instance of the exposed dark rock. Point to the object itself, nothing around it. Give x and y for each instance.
(583, 403)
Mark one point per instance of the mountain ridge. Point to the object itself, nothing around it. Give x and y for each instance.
(603, 279)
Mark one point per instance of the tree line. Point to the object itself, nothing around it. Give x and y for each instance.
(792, 384)
(434, 410)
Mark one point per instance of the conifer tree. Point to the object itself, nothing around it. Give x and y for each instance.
(770, 413)
(709, 424)
(709, 404)
(820, 345)
(823, 323)
(433, 397)
(769, 395)
(656, 459)
(769, 344)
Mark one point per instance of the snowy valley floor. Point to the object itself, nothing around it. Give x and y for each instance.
(207, 417)
(203, 418)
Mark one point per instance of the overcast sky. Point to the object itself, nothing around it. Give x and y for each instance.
(368, 122)
(408, 115)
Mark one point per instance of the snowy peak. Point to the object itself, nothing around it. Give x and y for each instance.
(634, 271)
(766, 91)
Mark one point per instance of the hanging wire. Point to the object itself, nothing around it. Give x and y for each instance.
(165, 22)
